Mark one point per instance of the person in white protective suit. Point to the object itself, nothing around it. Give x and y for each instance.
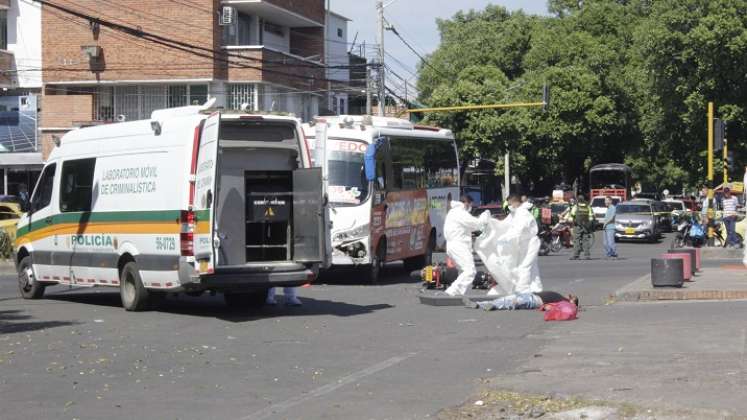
(458, 228)
(510, 251)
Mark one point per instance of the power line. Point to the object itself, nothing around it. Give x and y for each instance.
(426, 62)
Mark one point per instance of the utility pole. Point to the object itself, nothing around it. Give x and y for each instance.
(382, 76)
(711, 232)
(506, 177)
(368, 90)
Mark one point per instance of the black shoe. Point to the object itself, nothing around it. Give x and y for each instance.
(574, 258)
(587, 258)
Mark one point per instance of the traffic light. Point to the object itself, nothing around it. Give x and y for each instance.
(719, 132)
(545, 97)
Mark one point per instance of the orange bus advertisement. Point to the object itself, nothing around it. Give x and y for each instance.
(403, 219)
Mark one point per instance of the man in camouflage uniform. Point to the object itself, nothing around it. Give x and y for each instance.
(582, 231)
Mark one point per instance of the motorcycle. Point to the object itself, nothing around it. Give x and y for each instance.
(689, 234)
(560, 237)
(545, 236)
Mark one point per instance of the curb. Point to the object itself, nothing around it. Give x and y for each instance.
(678, 294)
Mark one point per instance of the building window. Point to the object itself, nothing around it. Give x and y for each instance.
(239, 33)
(138, 102)
(3, 29)
(241, 94)
(340, 33)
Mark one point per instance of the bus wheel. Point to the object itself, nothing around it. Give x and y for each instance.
(417, 263)
(134, 295)
(373, 271)
(27, 283)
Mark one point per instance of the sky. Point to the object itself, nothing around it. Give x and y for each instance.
(415, 20)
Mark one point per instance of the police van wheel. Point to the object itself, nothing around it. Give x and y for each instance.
(134, 295)
(27, 282)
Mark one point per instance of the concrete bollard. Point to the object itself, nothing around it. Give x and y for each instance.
(667, 272)
(693, 257)
(687, 273)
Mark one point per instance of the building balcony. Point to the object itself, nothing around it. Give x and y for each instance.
(4, 4)
(265, 64)
(310, 14)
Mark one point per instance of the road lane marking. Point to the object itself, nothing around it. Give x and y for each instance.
(326, 389)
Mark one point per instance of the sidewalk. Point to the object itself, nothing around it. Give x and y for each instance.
(728, 282)
(671, 355)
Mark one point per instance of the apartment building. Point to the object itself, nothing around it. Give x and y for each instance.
(264, 55)
(20, 85)
(338, 60)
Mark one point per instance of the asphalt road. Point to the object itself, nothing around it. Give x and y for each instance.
(352, 351)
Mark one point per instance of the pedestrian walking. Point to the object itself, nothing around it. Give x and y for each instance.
(582, 231)
(729, 205)
(610, 247)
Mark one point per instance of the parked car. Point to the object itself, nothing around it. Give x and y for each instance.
(678, 208)
(636, 220)
(600, 209)
(663, 216)
(9, 215)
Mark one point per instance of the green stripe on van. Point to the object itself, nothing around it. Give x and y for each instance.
(112, 216)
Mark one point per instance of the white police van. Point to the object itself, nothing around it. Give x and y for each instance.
(191, 200)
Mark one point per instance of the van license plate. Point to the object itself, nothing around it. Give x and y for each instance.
(203, 266)
(630, 231)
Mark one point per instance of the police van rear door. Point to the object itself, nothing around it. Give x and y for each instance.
(205, 193)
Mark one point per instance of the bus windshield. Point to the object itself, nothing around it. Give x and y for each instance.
(347, 179)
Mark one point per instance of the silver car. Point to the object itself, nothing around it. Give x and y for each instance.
(636, 220)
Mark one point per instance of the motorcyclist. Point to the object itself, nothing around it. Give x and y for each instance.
(458, 227)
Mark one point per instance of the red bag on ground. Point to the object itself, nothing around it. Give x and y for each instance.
(560, 311)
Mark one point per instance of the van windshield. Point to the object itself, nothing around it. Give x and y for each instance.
(348, 185)
(633, 208)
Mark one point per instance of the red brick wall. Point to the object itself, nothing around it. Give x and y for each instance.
(307, 42)
(62, 111)
(312, 9)
(294, 73)
(126, 57)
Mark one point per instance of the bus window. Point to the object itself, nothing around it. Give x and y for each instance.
(381, 168)
(408, 163)
(347, 177)
(441, 165)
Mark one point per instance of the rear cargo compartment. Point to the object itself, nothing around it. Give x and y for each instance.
(269, 210)
(254, 207)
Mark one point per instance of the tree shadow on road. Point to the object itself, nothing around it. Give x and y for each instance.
(215, 307)
(9, 323)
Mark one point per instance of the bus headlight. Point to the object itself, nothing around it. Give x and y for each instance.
(355, 233)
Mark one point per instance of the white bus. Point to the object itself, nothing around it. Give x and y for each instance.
(389, 183)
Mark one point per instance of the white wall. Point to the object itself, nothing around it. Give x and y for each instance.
(24, 41)
(337, 48)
